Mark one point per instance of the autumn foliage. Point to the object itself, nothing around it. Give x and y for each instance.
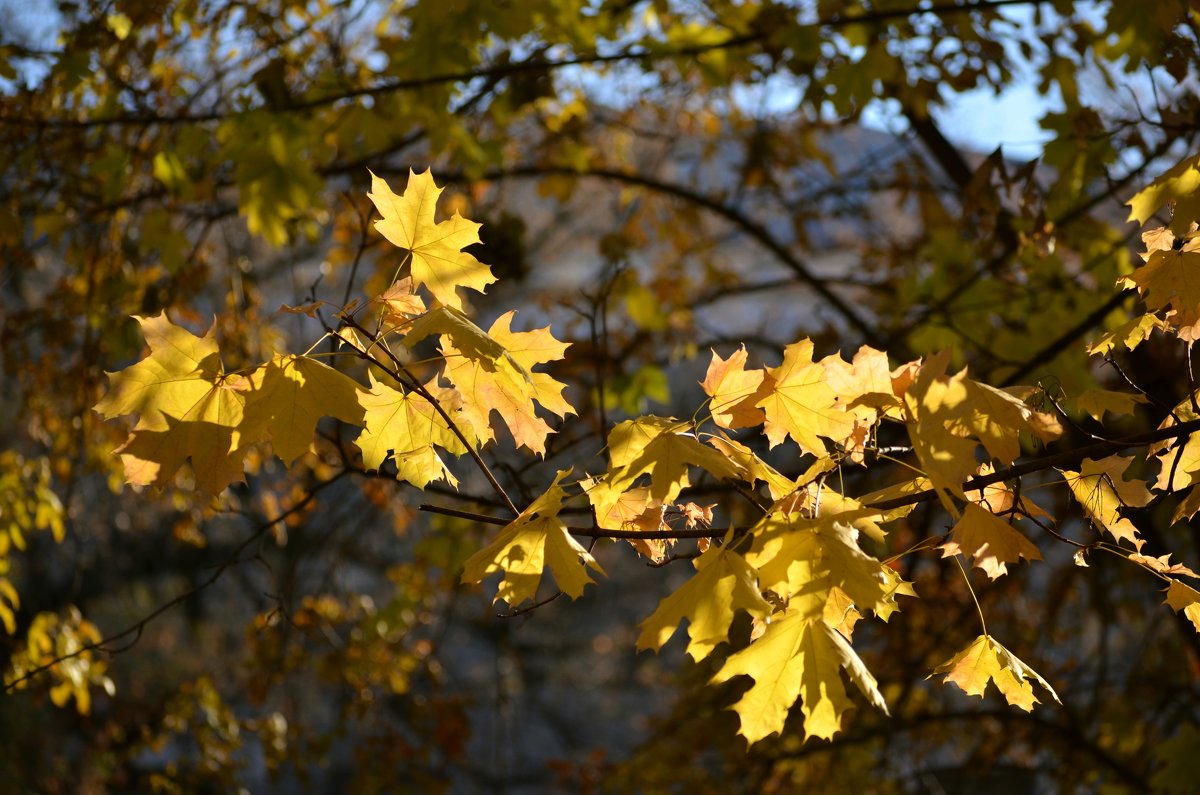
(799, 571)
(721, 419)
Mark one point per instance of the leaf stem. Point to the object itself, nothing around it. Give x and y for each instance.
(974, 598)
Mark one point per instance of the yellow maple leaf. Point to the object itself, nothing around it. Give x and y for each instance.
(755, 468)
(180, 370)
(798, 657)
(1098, 401)
(933, 402)
(494, 373)
(1172, 279)
(1102, 491)
(1184, 598)
(206, 433)
(800, 403)
(1179, 184)
(187, 408)
(406, 428)
(945, 414)
(723, 584)
(1179, 467)
(661, 448)
(734, 391)
(991, 541)
(804, 559)
(288, 395)
(1129, 334)
(438, 259)
(986, 660)
(532, 541)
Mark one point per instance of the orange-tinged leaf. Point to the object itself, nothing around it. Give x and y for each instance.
(527, 545)
(438, 259)
(289, 395)
(734, 391)
(723, 584)
(406, 428)
(1102, 490)
(989, 540)
(800, 403)
(1162, 564)
(986, 660)
(399, 303)
(798, 657)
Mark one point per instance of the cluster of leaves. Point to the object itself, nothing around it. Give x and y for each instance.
(702, 180)
(800, 571)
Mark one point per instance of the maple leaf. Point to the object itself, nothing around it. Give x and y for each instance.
(800, 403)
(1098, 401)
(997, 417)
(986, 660)
(493, 372)
(288, 395)
(1162, 564)
(803, 560)
(1179, 459)
(660, 448)
(734, 391)
(1188, 507)
(991, 541)
(1179, 466)
(1172, 279)
(999, 499)
(1128, 334)
(532, 541)
(635, 509)
(723, 584)
(400, 304)
(945, 412)
(406, 428)
(1184, 598)
(755, 468)
(798, 657)
(840, 612)
(438, 259)
(1179, 184)
(206, 433)
(932, 402)
(1101, 488)
(181, 370)
(187, 408)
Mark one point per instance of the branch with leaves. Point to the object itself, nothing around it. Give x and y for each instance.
(802, 569)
